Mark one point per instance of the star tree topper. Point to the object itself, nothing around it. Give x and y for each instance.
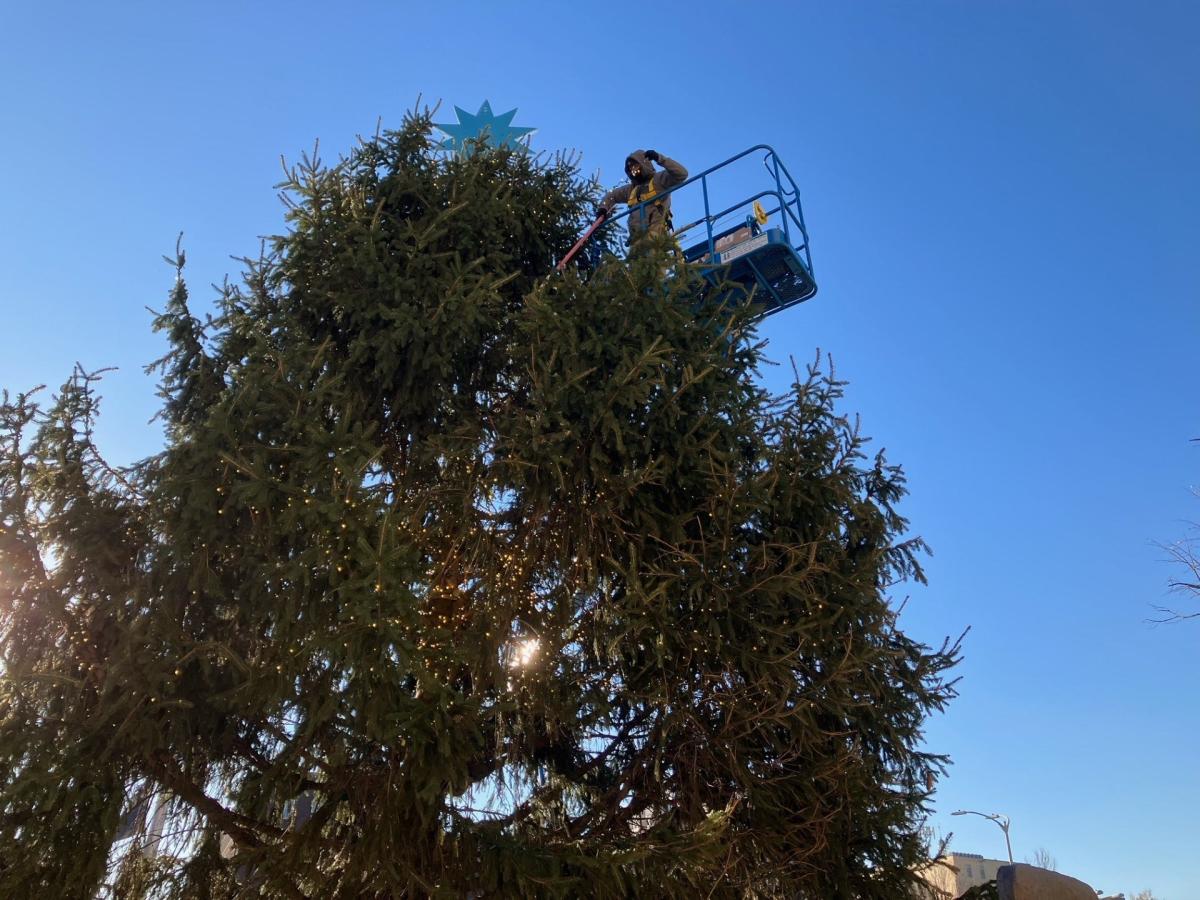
(484, 126)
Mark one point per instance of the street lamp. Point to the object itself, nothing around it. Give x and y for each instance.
(1002, 821)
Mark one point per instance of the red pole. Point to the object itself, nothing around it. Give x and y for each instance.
(562, 263)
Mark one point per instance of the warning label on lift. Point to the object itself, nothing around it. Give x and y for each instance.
(743, 248)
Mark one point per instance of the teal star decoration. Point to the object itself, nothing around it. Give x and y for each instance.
(484, 126)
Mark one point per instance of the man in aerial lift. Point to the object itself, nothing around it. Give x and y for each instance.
(646, 184)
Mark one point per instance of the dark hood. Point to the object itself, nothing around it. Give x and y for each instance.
(639, 156)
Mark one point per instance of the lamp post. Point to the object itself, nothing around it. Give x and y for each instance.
(1002, 821)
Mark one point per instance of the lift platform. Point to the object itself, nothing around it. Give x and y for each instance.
(755, 248)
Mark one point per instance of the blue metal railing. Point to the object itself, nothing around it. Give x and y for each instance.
(785, 193)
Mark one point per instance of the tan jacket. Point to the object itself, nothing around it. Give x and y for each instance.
(656, 216)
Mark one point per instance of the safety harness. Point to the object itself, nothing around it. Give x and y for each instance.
(649, 191)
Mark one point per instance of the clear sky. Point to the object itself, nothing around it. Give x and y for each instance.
(1002, 201)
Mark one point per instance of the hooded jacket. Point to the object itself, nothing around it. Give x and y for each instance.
(653, 217)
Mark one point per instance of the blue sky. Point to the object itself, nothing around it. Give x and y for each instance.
(1002, 203)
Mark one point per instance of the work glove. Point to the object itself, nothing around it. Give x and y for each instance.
(601, 212)
(651, 155)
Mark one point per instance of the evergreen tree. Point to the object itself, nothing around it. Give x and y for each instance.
(458, 578)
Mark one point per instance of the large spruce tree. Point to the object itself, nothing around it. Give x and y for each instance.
(458, 578)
